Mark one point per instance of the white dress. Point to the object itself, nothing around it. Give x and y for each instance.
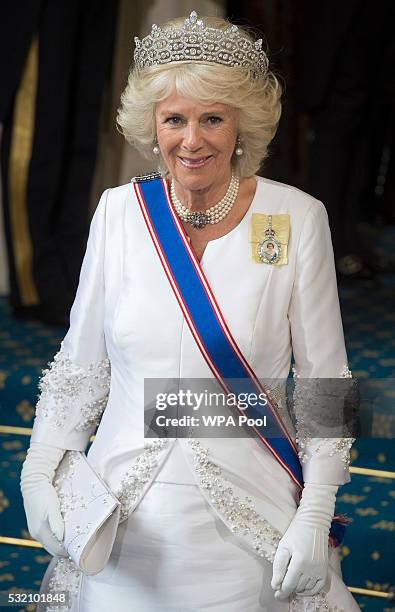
(178, 546)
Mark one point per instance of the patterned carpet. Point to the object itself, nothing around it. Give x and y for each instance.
(369, 501)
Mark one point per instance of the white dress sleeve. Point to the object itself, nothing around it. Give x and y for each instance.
(318, 346)
(74, 388)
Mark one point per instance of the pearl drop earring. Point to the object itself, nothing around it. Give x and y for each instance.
(155, 148)
(239, 149)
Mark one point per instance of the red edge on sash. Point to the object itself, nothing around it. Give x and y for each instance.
(219, 315)
(172, 281)
(221, 321)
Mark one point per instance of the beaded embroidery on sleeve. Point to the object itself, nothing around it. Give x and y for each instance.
(65, 383)
(305, 439)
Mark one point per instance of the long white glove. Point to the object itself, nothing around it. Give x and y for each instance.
(301, 561)
(41, 502)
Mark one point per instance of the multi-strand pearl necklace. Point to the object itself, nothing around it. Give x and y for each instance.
(214, 214)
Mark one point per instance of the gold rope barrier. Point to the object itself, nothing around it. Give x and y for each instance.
(371, 472)
(10, 429)
(370, 593)
(20, 542)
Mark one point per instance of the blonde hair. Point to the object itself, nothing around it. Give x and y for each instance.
(257, 101)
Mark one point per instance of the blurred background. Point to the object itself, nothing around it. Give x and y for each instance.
(63, 66)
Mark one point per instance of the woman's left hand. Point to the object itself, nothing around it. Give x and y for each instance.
(301, 561)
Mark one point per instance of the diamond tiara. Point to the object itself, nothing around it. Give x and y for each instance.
(194, 42)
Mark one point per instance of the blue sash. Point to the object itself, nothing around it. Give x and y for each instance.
(206, 322)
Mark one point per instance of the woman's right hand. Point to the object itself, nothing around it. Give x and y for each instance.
(41, 502)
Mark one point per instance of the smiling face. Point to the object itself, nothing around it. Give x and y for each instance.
(197, 142)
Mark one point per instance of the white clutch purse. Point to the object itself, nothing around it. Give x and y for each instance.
(90, 512)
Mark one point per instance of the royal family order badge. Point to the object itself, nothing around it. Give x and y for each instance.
(269, 238)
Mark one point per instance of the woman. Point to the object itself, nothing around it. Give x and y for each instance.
(202, 521)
